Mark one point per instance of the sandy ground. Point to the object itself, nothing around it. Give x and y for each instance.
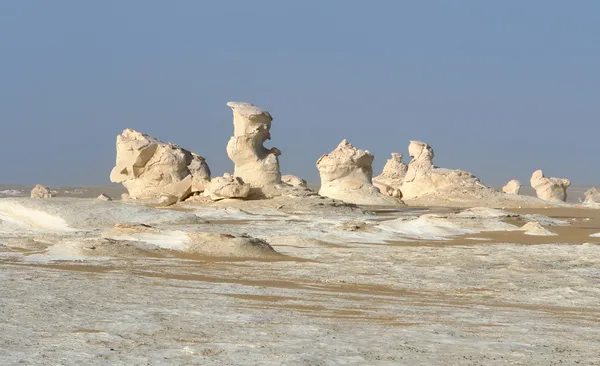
(351, 288)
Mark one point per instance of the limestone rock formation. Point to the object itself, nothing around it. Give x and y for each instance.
(255, 164)
(346, 174)
(148, 167)
(39, 191)
(227, 186)
(549, 189)
(294, 181)
(512, 187)
(390, 180)
(592, 195)
(423, 178)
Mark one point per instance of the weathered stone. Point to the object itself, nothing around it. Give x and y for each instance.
(39, 191)
(549, 189)
(255, 164)
(423, 178)
(294, 181)
(227, 186)
(146, 166)
(512, 187)
(346, 174)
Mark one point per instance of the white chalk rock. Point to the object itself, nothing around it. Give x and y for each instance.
(592, 196)
(39, 191)
(390, 180)
(549, 189)
(255, 164)
(536, 229)
(226, 186)
(346, 174)
(147, 166)
(512, 187)
(294, 181)
(423, 178)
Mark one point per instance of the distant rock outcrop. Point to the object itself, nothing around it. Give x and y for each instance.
(512, 187)
(39, 191)
(592, 195)
(346, 174)
(549, 189)
(423, 178)
(149, 168)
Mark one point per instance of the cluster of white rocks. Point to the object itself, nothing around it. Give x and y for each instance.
(153, 170)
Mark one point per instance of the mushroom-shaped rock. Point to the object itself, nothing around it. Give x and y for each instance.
(255, 164)
(149, 168)
(39, 191)
(227, 186)
(423, 178)
(346, 174)
(390, 180)
(592, 195)
(512, 187)
(549, 189)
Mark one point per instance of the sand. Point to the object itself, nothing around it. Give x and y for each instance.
(350, 286)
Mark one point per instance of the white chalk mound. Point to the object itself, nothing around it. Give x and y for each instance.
(71, 214)
(423, 178)
(346, 174)
(294, 181)
(549, 189)
(39, 191)
(149, 168)
(512, 187)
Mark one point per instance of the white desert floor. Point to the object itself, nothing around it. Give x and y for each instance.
(407, 287)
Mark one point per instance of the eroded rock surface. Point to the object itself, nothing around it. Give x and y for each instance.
(347, 173)
(423, 178)
(512, 187)
(549, 189)
(149, 168)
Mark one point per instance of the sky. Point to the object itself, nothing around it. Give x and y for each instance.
(499, 89)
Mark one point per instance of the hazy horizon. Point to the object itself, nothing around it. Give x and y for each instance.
(497, 89)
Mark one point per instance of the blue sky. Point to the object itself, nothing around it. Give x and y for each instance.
(497, 88)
